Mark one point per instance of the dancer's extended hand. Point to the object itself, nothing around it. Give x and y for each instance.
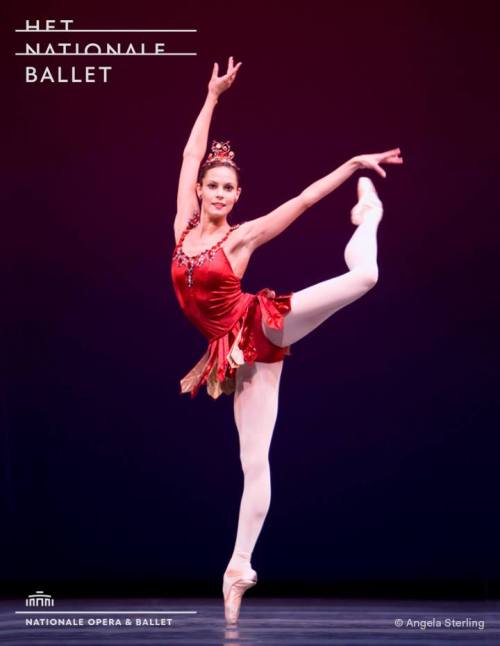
(219, 84)
(374, 160)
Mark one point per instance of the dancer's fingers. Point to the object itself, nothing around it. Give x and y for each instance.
(388, 153)
(374, 163)
(392, 160)
(232, 74)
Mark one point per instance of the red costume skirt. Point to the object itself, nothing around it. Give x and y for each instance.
(245, 342)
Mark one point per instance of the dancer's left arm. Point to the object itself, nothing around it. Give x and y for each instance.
(261, 230)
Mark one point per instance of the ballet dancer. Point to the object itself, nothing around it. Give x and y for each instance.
(250, 334)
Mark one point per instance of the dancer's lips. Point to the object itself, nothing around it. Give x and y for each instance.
(219, 205)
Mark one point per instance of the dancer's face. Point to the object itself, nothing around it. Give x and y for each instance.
(219, 186)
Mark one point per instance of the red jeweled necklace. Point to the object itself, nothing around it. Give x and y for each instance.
(190, 262)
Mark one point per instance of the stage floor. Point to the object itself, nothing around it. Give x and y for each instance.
(292, 622)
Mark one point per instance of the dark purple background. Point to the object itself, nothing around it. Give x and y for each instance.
(385, 454)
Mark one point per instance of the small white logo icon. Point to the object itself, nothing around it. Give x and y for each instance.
(39, 599)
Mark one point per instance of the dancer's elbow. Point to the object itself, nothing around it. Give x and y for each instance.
(309, 197)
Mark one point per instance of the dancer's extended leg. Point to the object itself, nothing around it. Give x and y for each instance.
(255, 412)
(313, 305)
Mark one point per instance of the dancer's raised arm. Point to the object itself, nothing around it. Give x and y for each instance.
(195, 149)
(261, 230)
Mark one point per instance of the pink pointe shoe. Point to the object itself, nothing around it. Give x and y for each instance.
(368, 201)
(235, 584)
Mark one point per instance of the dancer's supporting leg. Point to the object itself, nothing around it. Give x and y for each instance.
(255, 412)
(313, 305)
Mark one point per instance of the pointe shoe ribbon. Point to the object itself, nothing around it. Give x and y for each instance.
(235, 584)
(367, 200)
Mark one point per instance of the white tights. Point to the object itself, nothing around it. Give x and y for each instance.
(257, 385)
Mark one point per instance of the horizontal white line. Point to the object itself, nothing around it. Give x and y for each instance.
(104, 54)
(106, 612)
(103, 31)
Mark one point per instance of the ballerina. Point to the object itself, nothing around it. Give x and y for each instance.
(249, 335)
